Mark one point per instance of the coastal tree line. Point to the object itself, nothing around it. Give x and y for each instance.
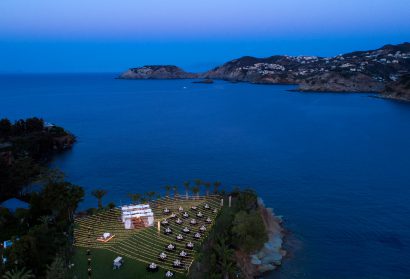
(136, 198)
(41, 235)
(25, 147)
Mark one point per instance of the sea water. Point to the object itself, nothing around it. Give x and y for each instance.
(336, 166)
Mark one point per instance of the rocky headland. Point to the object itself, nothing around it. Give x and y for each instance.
(270, 256)
(399, 90)
(375, 71)
(157, 72)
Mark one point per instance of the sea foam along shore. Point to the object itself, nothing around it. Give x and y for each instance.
(270, 256)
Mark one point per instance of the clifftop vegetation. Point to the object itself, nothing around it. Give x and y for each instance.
(25, 146)
(238, 228)
(41, 234)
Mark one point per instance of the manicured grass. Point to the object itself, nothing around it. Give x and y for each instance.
(143, 246)
(102, 266)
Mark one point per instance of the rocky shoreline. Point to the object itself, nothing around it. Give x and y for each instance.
(270, 256)
(399, 90)
(157, 72)
(375, 71)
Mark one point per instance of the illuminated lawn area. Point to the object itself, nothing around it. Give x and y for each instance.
(140, 247)
(102, 266)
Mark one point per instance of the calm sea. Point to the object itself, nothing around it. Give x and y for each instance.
(336, 166)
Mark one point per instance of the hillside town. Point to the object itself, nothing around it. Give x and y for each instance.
(369, 71)
(359, 71)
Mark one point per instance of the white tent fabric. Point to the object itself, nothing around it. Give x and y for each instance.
(136, 211)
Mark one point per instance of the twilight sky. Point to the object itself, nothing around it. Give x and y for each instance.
(110, 36)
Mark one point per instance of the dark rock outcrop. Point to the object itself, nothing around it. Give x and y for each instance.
(206, 81)
(157, 72)
(270, 256)
(340, 82)
(399, 90)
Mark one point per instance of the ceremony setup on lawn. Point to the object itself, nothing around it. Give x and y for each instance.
(164, 234)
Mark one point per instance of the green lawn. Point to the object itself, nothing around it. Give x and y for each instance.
(142, 246)
(102, 266)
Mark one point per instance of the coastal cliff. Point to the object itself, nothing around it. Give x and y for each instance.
(157, 72)
(340, 82)
(399, 90)
(361, 71)
(270, 256)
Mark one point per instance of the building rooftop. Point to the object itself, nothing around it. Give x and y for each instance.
(13, 204)
(4, 145)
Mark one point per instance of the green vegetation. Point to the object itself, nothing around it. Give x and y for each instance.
(18, 274)
(44, 231)
(24, 148)
(237, 228)
(99, 194)
(217, 184)
(247, 232)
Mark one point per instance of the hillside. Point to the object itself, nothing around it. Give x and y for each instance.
(398, 90)
(359, 71)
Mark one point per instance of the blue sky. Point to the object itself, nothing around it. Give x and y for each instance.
(110, 36)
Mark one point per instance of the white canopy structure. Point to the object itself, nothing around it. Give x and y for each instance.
(134, 214)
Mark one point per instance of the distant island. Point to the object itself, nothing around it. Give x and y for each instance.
(157, 72)
(383, 70)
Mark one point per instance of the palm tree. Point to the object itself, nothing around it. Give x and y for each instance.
(150, 195)
(56, 270)
(175, 189)
(225, 255)
(135, 198)
(207, 187)
(216, 186)
(19, 274)
(186, 185)
(74, 196)
(198, 182)
(143, 199)
(167, 189)
(227, 267)
(195, 190)
(99, 194)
